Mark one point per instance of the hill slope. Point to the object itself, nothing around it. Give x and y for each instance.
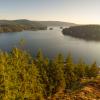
(87, 32)
(90, 91)
(20, 25)
(24, 24)
(57, 23)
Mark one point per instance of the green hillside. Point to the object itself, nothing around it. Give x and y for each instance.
(87, 32)
(57, 23)
(19, 25)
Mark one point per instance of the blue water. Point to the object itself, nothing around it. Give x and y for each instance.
(52, 42)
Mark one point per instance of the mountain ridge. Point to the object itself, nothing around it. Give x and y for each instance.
(24, 24)
(45, 23)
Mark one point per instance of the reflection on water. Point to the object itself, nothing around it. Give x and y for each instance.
(52, 42)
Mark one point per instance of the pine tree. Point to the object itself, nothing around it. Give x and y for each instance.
(87, 71)
(2, 75)
(20, 77)
(39, 56)
(69, 75)
(25, 78)
(56, 73)
(94, 70)
(80, 69)
(42, 65)
(59, 63)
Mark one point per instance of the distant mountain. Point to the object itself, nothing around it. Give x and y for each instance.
(87, 32)
(57, 23)
(20, 25)
(28, 22)
(24, 24)
(7, 22)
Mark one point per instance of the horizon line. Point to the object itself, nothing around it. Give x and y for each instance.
(52, 21)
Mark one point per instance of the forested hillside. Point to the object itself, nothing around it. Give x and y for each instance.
(87, 32)
(57, 23)
(20, 25)
(23, 77)
(23, 24)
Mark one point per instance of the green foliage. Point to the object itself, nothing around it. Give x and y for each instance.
(23, 77)
(70, 77)
(94, 70)
(56, 71)
(80, 70)
(20, 25)
(20, 76)
(42, 65)
(87, 32)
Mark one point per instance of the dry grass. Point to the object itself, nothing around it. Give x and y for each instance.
(89, 91)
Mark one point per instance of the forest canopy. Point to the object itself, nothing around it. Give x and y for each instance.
(87, 32)
(20, 25)
(23, 77)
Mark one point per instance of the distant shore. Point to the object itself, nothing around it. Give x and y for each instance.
(86, 32)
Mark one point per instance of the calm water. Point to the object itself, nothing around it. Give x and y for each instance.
(52, 42)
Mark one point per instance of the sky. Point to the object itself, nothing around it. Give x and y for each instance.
(76, 11)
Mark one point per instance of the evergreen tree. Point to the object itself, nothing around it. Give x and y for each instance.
(20, 77)
(42, 65)
(94, 70)
(25, 78)
(80, 69)
(57, 73)
(69, 75)
(87, 71)
(2, 75)
(39, 56)
(59, 63)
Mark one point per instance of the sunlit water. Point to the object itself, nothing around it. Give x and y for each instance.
(51, 43)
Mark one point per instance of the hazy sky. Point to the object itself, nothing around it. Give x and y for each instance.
(77, 11)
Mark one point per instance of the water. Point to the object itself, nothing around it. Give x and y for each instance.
(52, 42)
